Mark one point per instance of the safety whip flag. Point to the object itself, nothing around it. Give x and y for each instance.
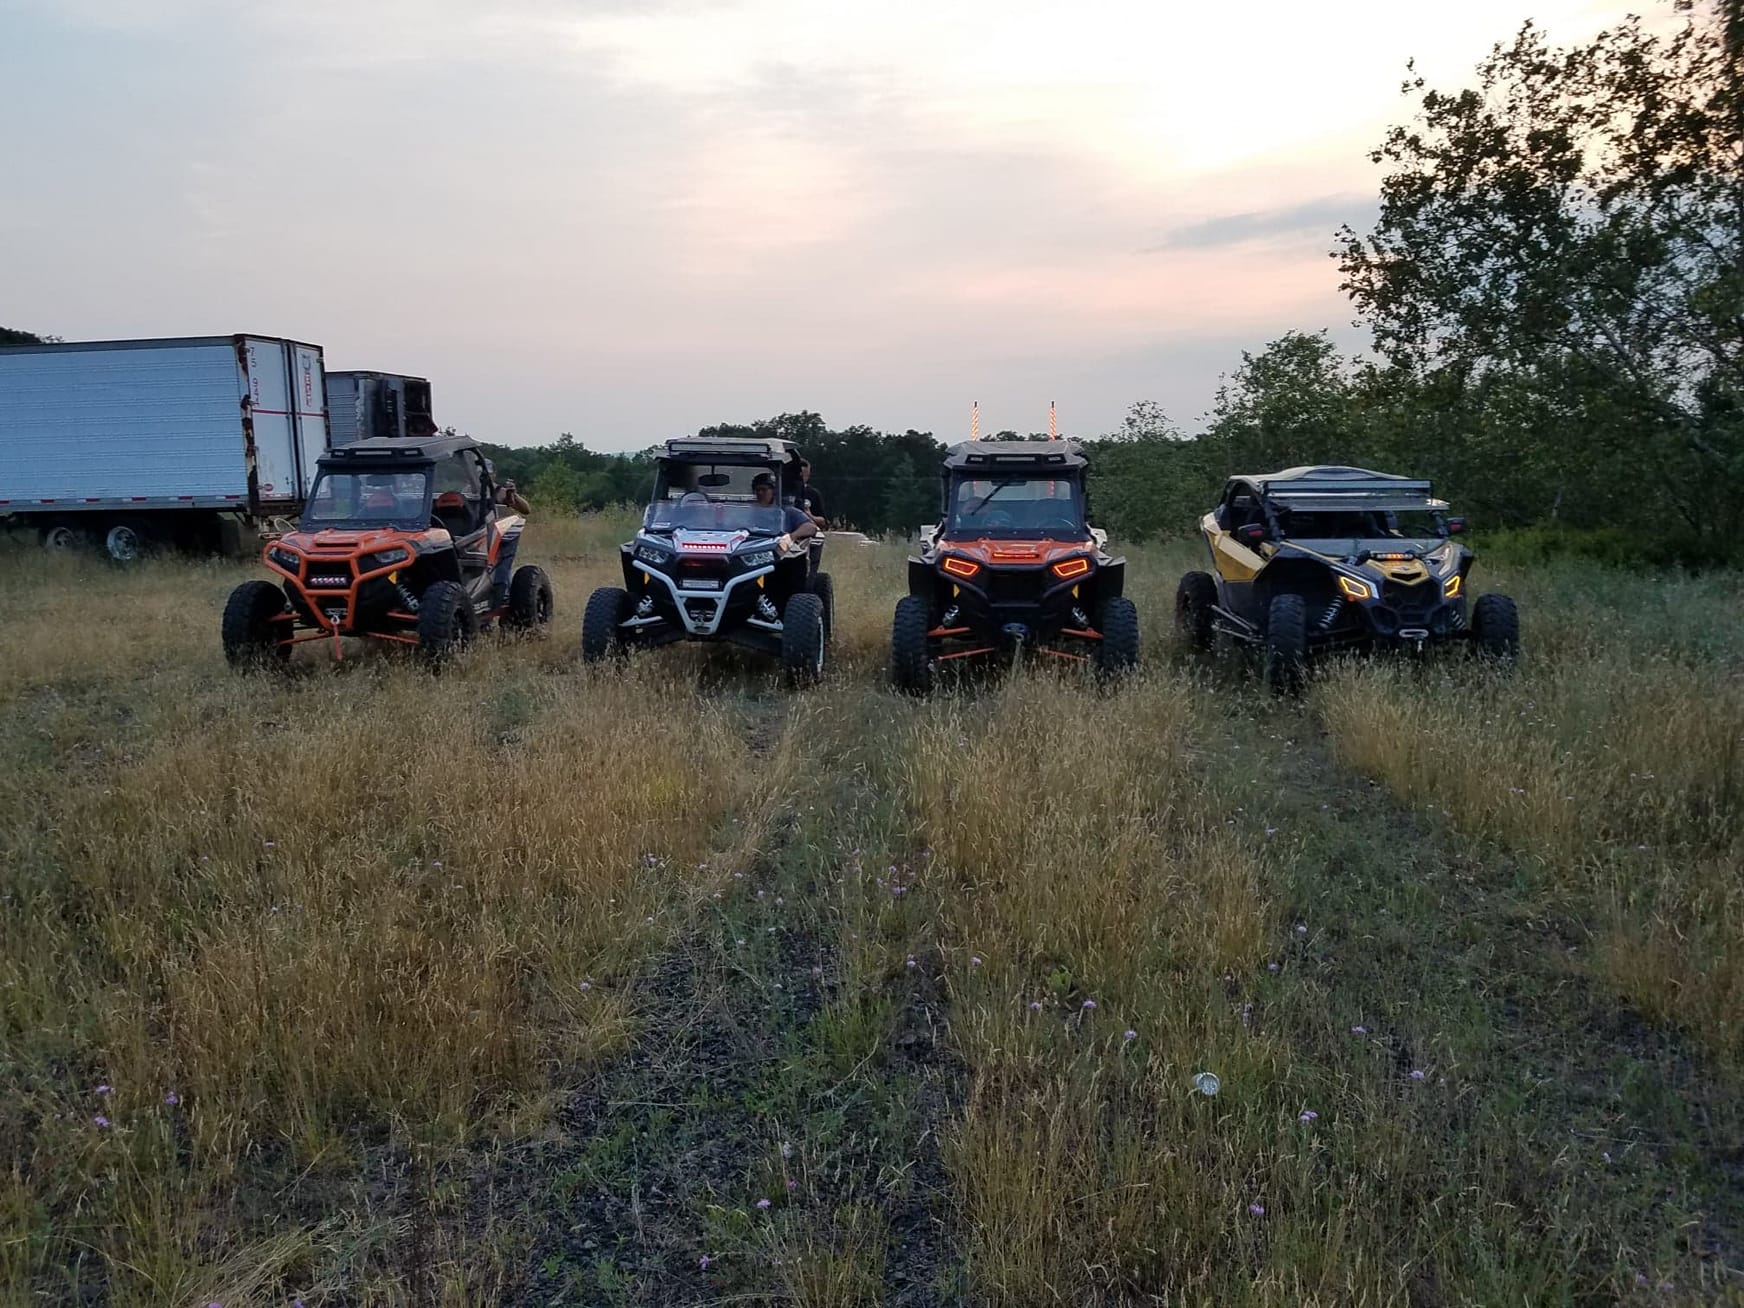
(975, 421)
(1053, 423)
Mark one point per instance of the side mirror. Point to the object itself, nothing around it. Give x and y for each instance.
(1455, 526)
(1252, 534)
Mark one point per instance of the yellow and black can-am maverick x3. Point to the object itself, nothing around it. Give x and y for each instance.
(1318, 559)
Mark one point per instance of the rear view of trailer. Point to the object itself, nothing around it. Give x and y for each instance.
(181, 441)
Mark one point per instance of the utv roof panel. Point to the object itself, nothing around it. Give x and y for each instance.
(1016, 456)
(391, 449)
(728, 447)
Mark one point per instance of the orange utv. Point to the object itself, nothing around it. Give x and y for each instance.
(1014, 566)
(401, 540)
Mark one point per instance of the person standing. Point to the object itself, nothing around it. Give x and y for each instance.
(507, 496)
(811, 499)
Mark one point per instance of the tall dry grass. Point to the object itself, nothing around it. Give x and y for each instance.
(253, 927)
(1613, 759)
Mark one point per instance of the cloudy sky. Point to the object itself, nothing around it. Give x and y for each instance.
(627, 220)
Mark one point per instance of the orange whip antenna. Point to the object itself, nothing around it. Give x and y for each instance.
(975, 421)
(1053, 423)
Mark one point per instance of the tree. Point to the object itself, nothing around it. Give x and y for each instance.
(14, 336)
(1571, 231)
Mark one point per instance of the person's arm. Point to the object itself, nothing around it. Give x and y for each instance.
(816, 505)
(507, 494)
(799, 527)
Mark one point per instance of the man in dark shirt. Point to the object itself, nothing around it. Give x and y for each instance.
(795, 525)
(811, 499)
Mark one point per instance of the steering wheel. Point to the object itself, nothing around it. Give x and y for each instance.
(694, 497)
(996, 518)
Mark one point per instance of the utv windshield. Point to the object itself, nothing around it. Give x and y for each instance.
(713, 497)
(354, 500)
(1351, 531)
(1019, 507)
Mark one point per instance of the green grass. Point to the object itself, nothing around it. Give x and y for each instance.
(526, 983)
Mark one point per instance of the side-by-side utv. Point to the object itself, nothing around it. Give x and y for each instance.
(1317, 559)
(1013, 566)
(713, 563)
(399, 542)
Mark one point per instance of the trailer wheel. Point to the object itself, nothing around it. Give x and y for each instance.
(124, 542)
(63, 538)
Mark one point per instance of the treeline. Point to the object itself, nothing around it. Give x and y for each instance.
(1555, 289)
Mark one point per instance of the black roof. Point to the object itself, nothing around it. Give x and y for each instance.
(1016, 456)
(399, 449)
(1331, 486)
(728, 449)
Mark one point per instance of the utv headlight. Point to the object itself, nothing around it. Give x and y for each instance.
(386, 558)
(650, 553)
(1454, 586)
(284, 558)
(1354, 589)
(758, 558)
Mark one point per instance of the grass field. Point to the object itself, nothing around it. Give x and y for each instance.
(531, 983)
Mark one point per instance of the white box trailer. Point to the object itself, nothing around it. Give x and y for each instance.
(180, 441)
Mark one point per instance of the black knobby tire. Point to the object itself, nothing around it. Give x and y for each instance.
(1286, 644)
(1195, 600)
(802, 639)
(911, 662)
(530, 599)
(824, 587)
(251, 629)
(446, 620)
(1495, 628)
(600, 634)
(1117, 651)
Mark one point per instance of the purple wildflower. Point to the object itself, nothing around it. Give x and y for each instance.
(762, 1203)
(1258, 1210)
(1089, 1003)
(792, 1184)
(104, 1089)
(1035, 1005)
(587, 985)
(974, 960)
(1417, 1075)
(102, 1123)
(704, 1261)
(1359, 1030)
(1271, 967)
(1309, 1115)
(172, 1099)
(1129, 1034)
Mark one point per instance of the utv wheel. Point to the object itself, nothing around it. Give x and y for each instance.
(251, 626)
(803, 639)
(1117, 652)
(446, 621)
(601, 634)
(1286, 644)
(1195, 600)
(911, 663)
(824, 587)
(529, 600)
(1495, 628)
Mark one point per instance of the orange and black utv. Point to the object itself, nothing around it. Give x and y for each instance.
(401, 540)
(1014, 566)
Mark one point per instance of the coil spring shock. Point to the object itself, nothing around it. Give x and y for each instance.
(1331, 615)
(406, 597)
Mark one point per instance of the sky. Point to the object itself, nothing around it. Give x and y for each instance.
(630, 220)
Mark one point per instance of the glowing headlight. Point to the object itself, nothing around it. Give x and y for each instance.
(1454, 586)
(1354, 589)
(758, 558)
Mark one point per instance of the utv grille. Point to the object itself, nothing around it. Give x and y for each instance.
(1413, 601)
(1014, 587)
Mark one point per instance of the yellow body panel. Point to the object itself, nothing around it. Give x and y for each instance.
(1235, 561)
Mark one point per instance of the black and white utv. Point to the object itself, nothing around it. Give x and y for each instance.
(708, 563)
